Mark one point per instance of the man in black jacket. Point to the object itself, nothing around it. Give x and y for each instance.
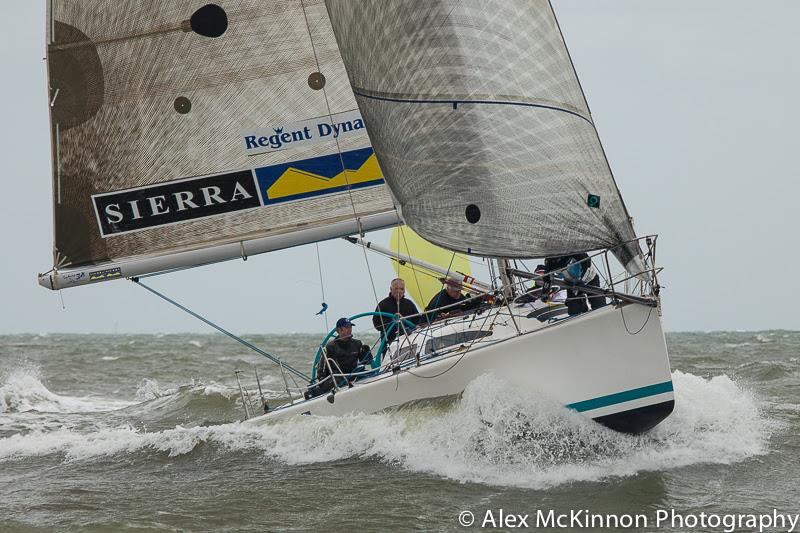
(451, 294)
(578, 269)
(344, 354)
(394, 304)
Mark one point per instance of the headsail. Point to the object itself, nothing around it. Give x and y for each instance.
(421, 283)
(186, 133)
(481, 126)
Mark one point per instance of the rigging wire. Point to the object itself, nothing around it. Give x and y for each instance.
(492, 274)
(222, 330)
(413, 270)
(446, 276)
(369, 271)
(322, 288)
(339, 150)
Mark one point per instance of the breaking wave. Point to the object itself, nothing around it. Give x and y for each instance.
(491, 434)
(191, 404)
(22, 390)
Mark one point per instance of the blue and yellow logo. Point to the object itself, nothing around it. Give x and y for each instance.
(319, 176)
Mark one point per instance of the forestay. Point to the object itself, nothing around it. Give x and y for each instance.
(481, 126)
(186, 133)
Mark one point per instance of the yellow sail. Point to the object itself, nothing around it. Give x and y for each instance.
(422, 284)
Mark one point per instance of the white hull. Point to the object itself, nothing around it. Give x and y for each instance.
(610, 364)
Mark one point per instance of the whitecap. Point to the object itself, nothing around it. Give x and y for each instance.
(22, 390)
(149, 389)
(492, 435)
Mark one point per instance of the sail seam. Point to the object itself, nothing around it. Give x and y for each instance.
(458, 101)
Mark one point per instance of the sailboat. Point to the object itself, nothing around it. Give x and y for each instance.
(185, 134)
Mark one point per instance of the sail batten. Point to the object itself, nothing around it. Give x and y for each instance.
(179, 125)
(482, 129)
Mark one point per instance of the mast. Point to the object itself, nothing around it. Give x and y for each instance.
(504, 268)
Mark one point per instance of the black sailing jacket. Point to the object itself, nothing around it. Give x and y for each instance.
(404, 307)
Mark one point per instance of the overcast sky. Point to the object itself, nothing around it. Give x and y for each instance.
(696, 105)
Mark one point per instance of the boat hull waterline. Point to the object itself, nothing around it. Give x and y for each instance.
(609, 364)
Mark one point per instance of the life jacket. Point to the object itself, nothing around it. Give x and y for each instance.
(579, 271)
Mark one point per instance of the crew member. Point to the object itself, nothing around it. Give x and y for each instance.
(449, 295)
(395, 304)
(344, 354)
(578, 270)
(536, 298)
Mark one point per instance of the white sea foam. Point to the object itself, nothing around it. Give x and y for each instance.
(491, 435)
(217, 388)
(21, 390)
(149, 389)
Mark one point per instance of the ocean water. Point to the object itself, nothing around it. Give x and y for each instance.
(143, 433)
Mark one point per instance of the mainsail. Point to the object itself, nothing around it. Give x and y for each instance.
(481, 126)
(186, 133)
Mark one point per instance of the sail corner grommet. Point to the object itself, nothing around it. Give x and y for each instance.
(183, 105)
(316, 80)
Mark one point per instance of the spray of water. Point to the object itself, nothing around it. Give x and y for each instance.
(491, 434)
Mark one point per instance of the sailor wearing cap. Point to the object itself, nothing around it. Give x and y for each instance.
(344, 354)
(449, 296)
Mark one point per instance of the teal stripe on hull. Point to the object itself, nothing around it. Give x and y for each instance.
(619, 397)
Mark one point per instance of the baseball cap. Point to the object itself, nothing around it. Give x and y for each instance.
(343, 323)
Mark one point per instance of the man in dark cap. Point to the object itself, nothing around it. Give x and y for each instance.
(450, 295)
(341, 355)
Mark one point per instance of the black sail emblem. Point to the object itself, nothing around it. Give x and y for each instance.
(177, 201)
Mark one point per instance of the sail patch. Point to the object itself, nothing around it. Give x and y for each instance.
(177, 201)
(304, 133)
(107, 273)
(319, 176)
(194, 198)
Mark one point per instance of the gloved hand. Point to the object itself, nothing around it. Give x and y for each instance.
(545, 291)
(366, 356)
